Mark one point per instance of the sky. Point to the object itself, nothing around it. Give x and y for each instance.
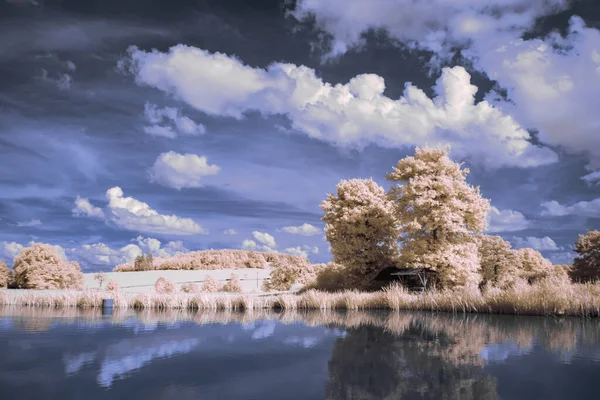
(131, 126)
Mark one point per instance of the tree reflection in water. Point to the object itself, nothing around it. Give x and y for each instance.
(420, 363)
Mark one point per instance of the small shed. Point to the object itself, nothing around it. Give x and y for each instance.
(415, 279)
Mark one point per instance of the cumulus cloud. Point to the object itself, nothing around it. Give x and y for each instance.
(151, 245)
(435, 25)
(539, 244)
(506, 220)
(301, 251)
(592, 177)
(304, 230)
(351, 114)
(265, 239)
(32, 223)
(562, 258)
(169, 122)
(229, 232)
(9, 250)
(582, 209)
(99, 254)
(553, 85)
(134, 215)
(180, 171)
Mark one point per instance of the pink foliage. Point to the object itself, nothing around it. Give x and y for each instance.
(189, 288)
(4, 274)
(112, 286)
(285, 273)
(210, 284)
(361, 227)
(211, 260)
(164, 285)
(40, 267)
(233, 285)
(440, 214)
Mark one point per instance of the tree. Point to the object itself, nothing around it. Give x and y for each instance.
(100, 278)
(361, 228)
(40, 267)
(144, 263)
(439, 214)
(532, 266)
(497, 260)
(4, 274)
(586, 267)
(210, 284)
(287, 272)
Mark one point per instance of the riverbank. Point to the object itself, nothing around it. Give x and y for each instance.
(542, 299)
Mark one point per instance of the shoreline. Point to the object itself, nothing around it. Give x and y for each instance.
(578, 301)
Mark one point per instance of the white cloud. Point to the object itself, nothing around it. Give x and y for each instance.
(553, 90)
(582, 209)
(9, 250)
(32, 223)
(539, 244)
(592, 177)
(435, 25)
(230, 232)
(304, 230)
(296, 251)
(180, 171)
(265, 239)
(134, 215)
(101, 254)
(169, 121)
(151, 245)
(84, 207)
(506, 221)
(352, 114)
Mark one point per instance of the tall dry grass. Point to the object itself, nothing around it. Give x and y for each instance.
(548, 297)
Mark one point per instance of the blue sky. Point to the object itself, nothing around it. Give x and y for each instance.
(129, 127)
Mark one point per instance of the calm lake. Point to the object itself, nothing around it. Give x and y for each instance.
(77, 354)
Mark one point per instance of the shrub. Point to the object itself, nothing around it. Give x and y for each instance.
(210, 284)
(285, 273)
(40, 267)
(164, 285)
(233, 285)
(4, 274)
(189, 288)
(112, 286)
(586, 267)
(330, 278)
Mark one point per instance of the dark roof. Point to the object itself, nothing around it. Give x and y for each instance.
(412, 271)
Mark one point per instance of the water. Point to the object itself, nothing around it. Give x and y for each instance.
(74, 354)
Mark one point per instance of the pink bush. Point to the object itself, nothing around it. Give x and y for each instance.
(4, 274)
(210, 284)
(112, 286)
(164, 285)
(233, 285)
(189, 288)
(40, 267)
(285, 273)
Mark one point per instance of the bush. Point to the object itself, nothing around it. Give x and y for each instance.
(233, 285)
(4, 274)
(285, 273)
(164, 285)
(210, 284)
(112, 286)
(144, 263)
(189, 288)
(40, 267)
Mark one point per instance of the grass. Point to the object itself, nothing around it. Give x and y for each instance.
(546, 298)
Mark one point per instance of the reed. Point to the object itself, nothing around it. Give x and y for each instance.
(545, 298)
